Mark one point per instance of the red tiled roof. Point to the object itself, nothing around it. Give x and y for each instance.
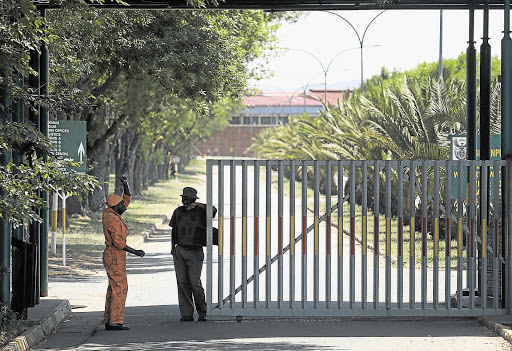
(313, 98)
(332, 95)
(280, 99)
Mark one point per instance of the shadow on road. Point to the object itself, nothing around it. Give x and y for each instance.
(158, 328)
(153, 262)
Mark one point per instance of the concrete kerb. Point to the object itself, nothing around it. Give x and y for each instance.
(499, 328)
(37, 333)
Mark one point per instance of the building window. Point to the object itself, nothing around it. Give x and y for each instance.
(283, 120)
(247, 120)
(235, 120)
(265, 120)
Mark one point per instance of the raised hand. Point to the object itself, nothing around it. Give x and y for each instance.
(123, 179)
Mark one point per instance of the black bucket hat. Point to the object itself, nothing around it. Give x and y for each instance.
(190, 192)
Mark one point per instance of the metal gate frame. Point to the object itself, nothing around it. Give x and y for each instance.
(480, 225)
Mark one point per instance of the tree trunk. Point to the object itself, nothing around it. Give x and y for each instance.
(127, 147)
(138, 171)
(101, 170)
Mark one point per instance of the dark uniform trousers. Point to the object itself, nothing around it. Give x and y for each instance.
(188, 264)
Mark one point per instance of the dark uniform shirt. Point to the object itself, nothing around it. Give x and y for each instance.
(189, 227)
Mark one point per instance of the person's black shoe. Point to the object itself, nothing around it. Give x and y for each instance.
(186, 319)
(202, 319)
(109, 326)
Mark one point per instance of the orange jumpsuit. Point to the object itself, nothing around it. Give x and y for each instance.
(114, 260)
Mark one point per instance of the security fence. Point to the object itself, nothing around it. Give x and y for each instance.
(356, 238)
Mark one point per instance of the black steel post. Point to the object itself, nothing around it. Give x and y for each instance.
(440, 44)
(18, 269)
(485, 90)
(17, 157)
(485, 127)
(471, 104)
(506, 152)
(5, 226)
(471, 89)
(34, 113)
(45, 215)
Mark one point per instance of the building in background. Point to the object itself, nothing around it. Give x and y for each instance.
(264, 110)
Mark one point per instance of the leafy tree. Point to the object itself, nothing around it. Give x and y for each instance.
(407, 116)
(21, 182)
(34, 168)
(134, 74)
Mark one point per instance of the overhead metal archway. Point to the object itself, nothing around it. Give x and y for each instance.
(304, 5)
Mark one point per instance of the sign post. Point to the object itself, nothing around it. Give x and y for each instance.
(70, 141)
(176, 159)
(69, 138)
(459, 151)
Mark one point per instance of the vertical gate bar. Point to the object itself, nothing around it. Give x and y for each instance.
(460, 216)
(232, 261)
(376, 249)
(496, 216)
(400, 229)
(209, 216)
(268, 215)
(340, 233)
(316, 284)
(280, 233)
(388, 235)
(502, 240)
(424, 191)
(304, 234)
(506, 49)
(256, 234)
(471, 243)
(292, 233)
(484, 212)
(244, 233)
(400, 235)
(507, 239)
(352, 232)
(437, 200)
(466, 234)
(448, 236)
(220, 258)
(412, 235)
(364, 236)
(328, 234)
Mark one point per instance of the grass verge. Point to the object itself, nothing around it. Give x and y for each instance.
(370, 224)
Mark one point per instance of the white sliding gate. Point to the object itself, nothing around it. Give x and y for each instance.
(365, 238)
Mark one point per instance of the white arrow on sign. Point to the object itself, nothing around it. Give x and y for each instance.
(81, 151)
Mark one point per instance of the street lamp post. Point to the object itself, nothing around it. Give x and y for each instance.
(361, 39)
(324, 69)
(304, 89)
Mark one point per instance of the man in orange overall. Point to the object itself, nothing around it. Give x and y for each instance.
(114, 257)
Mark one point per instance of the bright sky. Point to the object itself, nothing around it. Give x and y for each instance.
(399, 39)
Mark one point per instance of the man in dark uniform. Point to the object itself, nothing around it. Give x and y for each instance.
(188, 224)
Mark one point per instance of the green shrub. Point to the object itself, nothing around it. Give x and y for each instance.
(9, 326)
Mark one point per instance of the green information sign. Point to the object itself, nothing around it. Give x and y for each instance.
(458, 152)
(70, 141)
